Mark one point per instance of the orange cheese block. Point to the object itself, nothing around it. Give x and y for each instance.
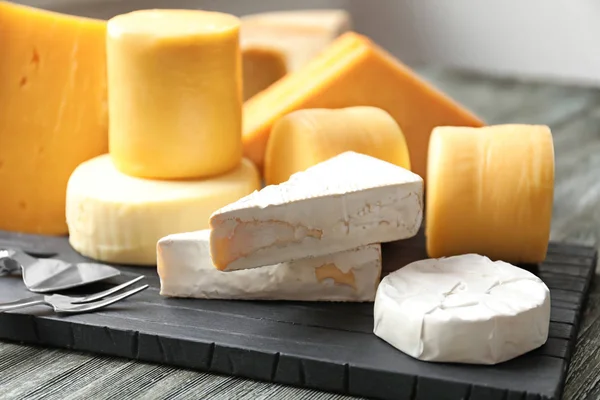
(352, 72)
(307, 137)
(175, 93)
(53, 113)
(262, 67)
(490, 192)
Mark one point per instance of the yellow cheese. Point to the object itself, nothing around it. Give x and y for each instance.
(114, 217)
(53, 112)
(307, 137)
(299, 34)
(262, 67)
(352, 72)
(175, 93)
(490, 192)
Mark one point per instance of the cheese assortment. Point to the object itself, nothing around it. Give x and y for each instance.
(288, 39)
(462, 309)
(344, 135)
(353, 71)
(490, 191)
(307, 137)
(175, 93)
(186, 270)
(117, 218)
(53, 112)
(345, 202)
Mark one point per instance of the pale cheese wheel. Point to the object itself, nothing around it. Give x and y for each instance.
(113, 217)
(490, 192)
(462, 309)
(307, 137)
(175, 93)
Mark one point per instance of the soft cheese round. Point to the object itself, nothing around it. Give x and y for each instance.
(462, 309)
(117, 218)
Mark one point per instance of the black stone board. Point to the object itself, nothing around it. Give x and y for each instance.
(327, 346)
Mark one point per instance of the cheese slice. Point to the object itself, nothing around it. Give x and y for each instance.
(345, 202)
(307, 137)
(53, 113)
(462, 309)
(118, 218)
(262, 67)
(490, 191)
(175, 88)
(353, 71)
(186, 270)
(300, 35)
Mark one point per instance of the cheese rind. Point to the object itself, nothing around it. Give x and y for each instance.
(490, 191)
(53, 113)
(175, 93)
(353, 71)
(462, 309)
(186, 270)
(307, 137)
(345, 202)
(117, 218)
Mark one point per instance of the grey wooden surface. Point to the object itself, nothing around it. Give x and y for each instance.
(573, 113)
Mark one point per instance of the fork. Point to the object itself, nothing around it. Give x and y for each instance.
(81, 304)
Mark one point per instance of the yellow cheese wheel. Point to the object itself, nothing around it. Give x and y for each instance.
(263, 66)
(490, 192)
(117, 218)
(53, 112)
(307, 137)
(175, 93)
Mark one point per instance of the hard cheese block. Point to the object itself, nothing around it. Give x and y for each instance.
(175, 93)
(462, 309)
(307, 137)
(353, 71)
(345, 202)
(262, 66)
(117, 218)
(53, 112)
(490, 192)
(186, 270)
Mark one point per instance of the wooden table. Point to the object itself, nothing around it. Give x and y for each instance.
(573, 113)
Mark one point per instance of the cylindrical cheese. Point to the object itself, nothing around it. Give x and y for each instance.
(114, 217)
(263, 66)
(307, 137)
(175, 93)
(490, 192)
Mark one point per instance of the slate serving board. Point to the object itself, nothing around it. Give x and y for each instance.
(317, 345)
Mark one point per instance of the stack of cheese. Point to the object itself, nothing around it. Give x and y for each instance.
(314, 237)
(175, 104)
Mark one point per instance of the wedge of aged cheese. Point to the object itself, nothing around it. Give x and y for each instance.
(114, 217)
(345, 202)
(353, 71)
(53, 113)
(490, 192)
(186, 270)
(307, 137)
(175, 93)
(299, 35)
(462, 309)
(262, 67)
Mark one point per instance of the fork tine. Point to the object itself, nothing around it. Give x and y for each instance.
(106, 293)
(103, 303)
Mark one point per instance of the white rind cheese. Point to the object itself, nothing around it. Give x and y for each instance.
(186, 270)
(462, 309)
(345, 202)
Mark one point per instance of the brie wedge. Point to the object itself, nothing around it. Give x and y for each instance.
(186, 270)
(462, 309)
(348, 201)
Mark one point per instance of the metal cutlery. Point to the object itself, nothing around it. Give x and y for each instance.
(81, 304)
(44, 275)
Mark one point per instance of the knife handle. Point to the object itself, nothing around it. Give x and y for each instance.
(23, 303)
